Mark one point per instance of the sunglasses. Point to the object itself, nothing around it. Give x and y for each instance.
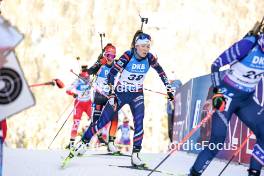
(143, 36)
(110, 56)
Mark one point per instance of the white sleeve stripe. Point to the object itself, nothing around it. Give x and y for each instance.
(233, 53)
(228, 56)
(262, 98)
(220, 60)
(217, 81)
(237, 50)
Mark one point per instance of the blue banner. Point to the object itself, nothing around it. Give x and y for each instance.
(192, 104)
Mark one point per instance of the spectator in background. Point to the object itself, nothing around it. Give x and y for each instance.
(175, 85)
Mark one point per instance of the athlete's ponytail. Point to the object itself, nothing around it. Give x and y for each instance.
(134, 38)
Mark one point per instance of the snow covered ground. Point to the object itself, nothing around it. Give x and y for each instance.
(22, 162)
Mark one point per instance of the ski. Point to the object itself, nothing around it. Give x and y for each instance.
(112, 154)
(66, 161)
(145, 168)
(118, 154)
(91, 147)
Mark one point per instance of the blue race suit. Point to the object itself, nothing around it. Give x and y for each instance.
(129, 90)
(238, 86)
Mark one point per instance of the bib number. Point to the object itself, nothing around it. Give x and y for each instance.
(252, 75)
(135, 77)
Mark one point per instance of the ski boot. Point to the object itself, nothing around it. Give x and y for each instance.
(71, 144)
(136, 161)
(253, 172)
(80, 148)
(101, 139)
(111, 146)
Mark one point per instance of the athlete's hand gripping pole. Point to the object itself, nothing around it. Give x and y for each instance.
(170, 93)
(218, 100)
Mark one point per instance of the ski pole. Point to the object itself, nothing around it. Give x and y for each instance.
(90, 83)
(62, 125)
(160, 94)
(77, 75)
(51, 83)
(155, 91)
(54, 82)
(209, 115)
(236, 153)
(64, 111)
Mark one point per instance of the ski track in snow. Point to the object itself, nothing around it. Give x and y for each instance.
(22, 162)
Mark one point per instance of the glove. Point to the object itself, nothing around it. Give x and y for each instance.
(102, 60)
(75, 95)
(170, 93)
(71, 93)
(218, 101)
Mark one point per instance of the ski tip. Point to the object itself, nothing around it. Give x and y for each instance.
(62, 166)
(67, 160)
(64, 163)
